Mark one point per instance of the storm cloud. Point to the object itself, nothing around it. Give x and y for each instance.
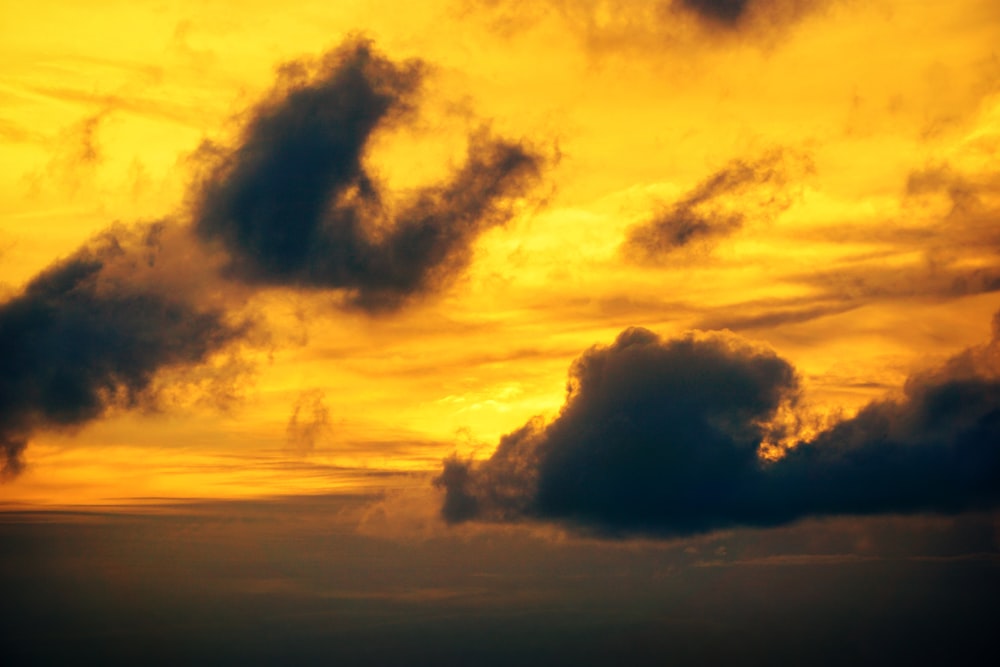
(664, 437)
(91, 332)
(294, 204)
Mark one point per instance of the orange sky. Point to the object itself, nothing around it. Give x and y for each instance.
(866, 255)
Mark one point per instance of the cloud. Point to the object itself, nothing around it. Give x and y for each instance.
(727, 12)
(935, 449)
(657, 26)
(655, 436)
(663, 437)
(720, 205)
(92, 331)
(737, 14)
(294, 204)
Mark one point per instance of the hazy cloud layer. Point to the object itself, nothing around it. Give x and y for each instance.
(294, 205)
(741, 191)
(947, 247)
(661, 437)
(91, 332)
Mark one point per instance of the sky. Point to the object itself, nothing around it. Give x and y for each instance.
(485, 329)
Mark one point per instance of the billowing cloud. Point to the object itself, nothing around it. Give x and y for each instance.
(92, 331)
(740, 191)
(935, 449)
(294, 204)
(663, 438)
(654, 436)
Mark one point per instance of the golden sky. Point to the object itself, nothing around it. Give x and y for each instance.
(818, 177)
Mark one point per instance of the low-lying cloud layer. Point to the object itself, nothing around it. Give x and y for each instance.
(294, 205)
(662, 438)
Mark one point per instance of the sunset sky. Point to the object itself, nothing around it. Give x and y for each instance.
(579, 318)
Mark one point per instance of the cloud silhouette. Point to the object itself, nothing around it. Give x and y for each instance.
(294, 205)
(91, 332)
(662, 438)
(655, 436)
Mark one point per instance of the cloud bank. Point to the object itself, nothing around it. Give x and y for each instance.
(661, 438)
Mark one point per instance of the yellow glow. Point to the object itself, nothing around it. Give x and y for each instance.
(102, 105)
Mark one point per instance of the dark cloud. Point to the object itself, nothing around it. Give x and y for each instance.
(740, 14)
(935, 449)
(295, 205)
(91, 332)
(655, 436)
(724, 11)
(720, 205)
(663, 438)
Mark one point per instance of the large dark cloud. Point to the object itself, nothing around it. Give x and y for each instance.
(294, 204)
(742, 190)
(663, 437)
(655, 435)
(935, 449)
(91, 332)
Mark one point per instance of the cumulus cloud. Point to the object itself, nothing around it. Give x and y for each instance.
(92, 331)
(655, 436)
(294, 205)
(720, 205)
(663, 438)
